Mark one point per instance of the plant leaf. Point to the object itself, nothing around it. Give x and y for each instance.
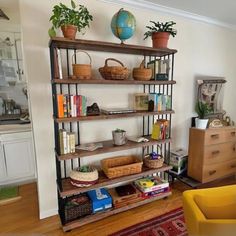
(52, 32)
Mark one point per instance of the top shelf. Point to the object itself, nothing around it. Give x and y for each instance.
(59, 42)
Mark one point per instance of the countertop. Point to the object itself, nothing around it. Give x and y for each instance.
(15, 128)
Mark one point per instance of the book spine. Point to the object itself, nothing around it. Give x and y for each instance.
(68, 143)
(154, 193)
(154, 188)
(60, 109)
(64, 142)
(74, 106)
(59, 64)
(84, 102)
(72, 142)
(61, 142)
(77, 105)
(55, 60)
(80, 105)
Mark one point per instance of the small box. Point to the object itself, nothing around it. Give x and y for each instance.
(101, 199)
(178, 159)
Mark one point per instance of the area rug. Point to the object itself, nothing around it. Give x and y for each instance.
(169, 224)
(9, 194)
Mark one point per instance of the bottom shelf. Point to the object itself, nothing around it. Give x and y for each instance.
(101, 215)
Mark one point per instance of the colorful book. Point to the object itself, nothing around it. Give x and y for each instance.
(60, 106)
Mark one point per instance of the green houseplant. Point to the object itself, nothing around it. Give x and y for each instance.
(160, 33)
(202, 109)
(69, 19)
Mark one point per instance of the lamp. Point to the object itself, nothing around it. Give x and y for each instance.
(3, 15)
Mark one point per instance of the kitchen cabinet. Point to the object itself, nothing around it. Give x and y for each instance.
(17, 158)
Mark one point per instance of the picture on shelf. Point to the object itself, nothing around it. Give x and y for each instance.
(141, 101)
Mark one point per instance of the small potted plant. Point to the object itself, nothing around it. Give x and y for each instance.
(119, 137)
(69, 19)
(202, 109)
(160, 33)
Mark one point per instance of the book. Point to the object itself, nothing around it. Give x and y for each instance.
(111, 111)
(60, 104)
(62, 142)
(71, 142)
(59, 62)
(89, 146)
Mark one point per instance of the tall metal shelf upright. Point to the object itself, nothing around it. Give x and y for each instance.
(66, 85)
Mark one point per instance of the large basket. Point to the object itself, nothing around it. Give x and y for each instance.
(114, 72)
(77, 206)
(81, 71)
(142, 73)
(120, 166)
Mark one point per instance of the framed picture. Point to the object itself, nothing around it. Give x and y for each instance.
(141, 101)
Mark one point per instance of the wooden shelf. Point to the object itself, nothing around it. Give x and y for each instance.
(59, 42)
(101, 215)
(105, 117)
(118, 82)
(68, 189)
(108, 146)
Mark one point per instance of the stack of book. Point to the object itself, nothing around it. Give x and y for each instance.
(71, 105)
(160, 102)
(152, 186)
(66, 142)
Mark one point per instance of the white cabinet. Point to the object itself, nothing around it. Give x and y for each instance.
(17, 159)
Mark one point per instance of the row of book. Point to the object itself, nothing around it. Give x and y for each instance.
(71, 105)
(66, 142)
(159, 102)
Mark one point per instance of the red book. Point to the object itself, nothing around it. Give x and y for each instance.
(60, 108)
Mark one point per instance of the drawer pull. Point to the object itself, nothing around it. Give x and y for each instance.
(233, 134)
(233, 166)
(216, 152)
(212, 172)
(215, 136)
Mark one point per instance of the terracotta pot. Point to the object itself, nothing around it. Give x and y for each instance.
(160, 39)
(69, 31)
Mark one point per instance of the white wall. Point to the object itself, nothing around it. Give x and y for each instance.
(202, 50)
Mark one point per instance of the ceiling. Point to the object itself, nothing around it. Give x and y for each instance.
(222, 11)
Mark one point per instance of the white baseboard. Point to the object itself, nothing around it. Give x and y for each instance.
(48, 213)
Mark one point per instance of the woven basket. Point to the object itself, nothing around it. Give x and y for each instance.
(120, 166)
(84, 179)
(142, 73)
(153, 163)
(81, 71)
(114, 72)
(77, 206)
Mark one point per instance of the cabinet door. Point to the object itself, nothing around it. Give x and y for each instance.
(3, 174)
(19, 158)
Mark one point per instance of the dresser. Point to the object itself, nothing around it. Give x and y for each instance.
(212, 153)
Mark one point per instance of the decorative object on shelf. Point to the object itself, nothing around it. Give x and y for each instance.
(119, 137)
(159, 102)
(138, 139)
(160, 69)
(120, 166)
(114, 72)
(226, 121)
(202, 109)
(101, 199)
(141, 101)
(93, 110)
(178, 159)
(81, 71)
(123, 25)
(69, 19)
(77, 206)
(154, 160)
(89, 146)
(84, 176)
(142, 73)
(216, 123)
(160, 33)
(160, 129)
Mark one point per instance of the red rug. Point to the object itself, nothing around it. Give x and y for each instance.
(169, 224)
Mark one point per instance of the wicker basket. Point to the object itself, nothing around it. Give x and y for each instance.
(81, 71)
(142, 73)
(84, 179)
(114, 72)
(77, 206)
(153, 163)
(120, 166)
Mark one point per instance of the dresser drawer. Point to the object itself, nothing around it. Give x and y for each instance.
(219, 153)
(214, 136)
(215, 171)
(230, 134)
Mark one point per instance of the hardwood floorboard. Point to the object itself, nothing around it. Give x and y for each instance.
(21, 217)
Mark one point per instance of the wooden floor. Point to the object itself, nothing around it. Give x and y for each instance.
(21, 217)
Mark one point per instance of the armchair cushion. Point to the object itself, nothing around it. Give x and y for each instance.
(217, 207)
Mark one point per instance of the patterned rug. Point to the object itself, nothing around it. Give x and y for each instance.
(169, 224)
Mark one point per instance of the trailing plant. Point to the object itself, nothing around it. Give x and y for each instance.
(161, 27)
(202, 109)
(78, 16)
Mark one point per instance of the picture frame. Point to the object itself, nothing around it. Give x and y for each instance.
(141, 102)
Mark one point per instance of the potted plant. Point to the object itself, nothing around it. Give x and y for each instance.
(202, 109)
(160, 33)
(119, 137)
(70, 20)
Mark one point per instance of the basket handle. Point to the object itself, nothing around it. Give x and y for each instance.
(142, 65)
(113, 59)
(77, 51)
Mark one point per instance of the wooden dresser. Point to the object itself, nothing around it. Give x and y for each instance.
(212, 153)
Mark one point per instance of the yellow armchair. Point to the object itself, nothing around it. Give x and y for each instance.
(210, 212)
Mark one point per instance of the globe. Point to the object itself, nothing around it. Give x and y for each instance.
(123, 24)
